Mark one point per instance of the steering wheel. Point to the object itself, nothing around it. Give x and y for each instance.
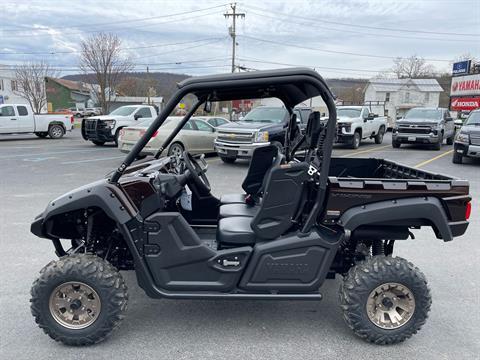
(197, 172)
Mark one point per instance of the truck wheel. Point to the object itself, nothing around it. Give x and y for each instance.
(79, 299)
(396, 144)
(356, 139)
(379, 136)
(438, 145)
(385, 300)
(457, 158)
(228, 160)
(56, 131)
(98, 143)
(451, 139)
(42, 135)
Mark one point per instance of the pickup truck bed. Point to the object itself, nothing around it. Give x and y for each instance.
(420, 198)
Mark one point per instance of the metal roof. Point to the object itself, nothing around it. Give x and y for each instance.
(392, 85)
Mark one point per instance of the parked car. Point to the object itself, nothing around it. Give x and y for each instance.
(424, 126)
(467, 142)
(19, 118)
(92, 111)
(262, 126)
(356, 123)
(106, 128)
(215, 121)
(77, 112)
(196, 137)
(318, 218)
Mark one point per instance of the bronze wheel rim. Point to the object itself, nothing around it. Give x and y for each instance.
(74, 305)
(390, 305)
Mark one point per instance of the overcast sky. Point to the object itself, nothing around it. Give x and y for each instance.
(338, 38)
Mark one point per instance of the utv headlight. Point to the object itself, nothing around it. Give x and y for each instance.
(110, 124)
(463, 138)
(261, 136)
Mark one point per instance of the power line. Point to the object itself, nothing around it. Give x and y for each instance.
(116, 22)
(361, 26)
(331, 51)
(116, 30)
(312, 23)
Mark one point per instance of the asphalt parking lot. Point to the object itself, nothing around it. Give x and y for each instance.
(33, 171)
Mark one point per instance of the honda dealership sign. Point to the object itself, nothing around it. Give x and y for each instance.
(465, 103)
(461, 68)
(465, 85)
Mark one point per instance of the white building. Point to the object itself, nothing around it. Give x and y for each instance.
(400, 95)
(8, 86)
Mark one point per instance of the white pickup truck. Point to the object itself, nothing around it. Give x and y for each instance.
(19, 118)
(355, 123)
(106, 128)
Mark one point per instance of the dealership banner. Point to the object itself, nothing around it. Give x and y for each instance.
(465, 85)
(461, 67)
(465, 103)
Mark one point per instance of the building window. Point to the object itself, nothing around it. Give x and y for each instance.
(387, 96)
(427, 97)
(1, 84)
(14, 85)
(407, 97)
(386, 112)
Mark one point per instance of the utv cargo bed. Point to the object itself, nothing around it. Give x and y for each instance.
(355, 183)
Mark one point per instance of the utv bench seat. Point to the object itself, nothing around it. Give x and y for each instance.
(229, 210)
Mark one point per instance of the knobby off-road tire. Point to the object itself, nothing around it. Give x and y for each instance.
(72, 284)
(365, 285)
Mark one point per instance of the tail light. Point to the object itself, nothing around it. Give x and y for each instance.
(468, 210)
(71, 119)
(155, 134)
(122, 132)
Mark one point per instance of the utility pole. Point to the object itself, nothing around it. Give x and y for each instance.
(148, 86)
(232, 29)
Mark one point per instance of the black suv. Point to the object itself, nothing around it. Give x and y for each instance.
(467, 142)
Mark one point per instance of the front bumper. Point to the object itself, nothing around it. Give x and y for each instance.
(238, 151)
(415, 138)
(467, 150)
(94, 130)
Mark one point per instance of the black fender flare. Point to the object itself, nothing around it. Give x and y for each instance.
(99, 194)
(426, 208)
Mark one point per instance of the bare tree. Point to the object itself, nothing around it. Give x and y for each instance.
(412, 67)
(30, 83)
(100, 55)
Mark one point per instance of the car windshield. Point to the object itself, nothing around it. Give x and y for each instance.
(473, 119)
(261, 114)
(424, 114)
(124, 111)
(348, 112)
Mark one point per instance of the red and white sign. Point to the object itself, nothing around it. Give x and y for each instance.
(465, 85)
(465, 103)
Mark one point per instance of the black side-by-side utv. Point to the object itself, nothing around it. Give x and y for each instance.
(303, 217)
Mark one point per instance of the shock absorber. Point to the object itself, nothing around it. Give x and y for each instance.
(378, 247)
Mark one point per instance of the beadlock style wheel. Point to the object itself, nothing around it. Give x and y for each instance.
(390, 306)
(74, 305)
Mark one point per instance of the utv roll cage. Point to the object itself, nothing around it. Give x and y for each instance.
(291, 86)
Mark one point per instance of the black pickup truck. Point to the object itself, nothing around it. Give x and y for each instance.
(262, 126)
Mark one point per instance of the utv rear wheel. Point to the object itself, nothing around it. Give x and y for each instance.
(79, 299)
(385, 300)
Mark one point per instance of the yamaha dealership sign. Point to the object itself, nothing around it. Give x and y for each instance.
(461, 68)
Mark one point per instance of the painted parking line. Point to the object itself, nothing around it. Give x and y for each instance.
(365, 151)
(433, 159)
(91, 160)
(51, 153)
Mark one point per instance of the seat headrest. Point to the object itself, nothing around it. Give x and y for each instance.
(314, 127)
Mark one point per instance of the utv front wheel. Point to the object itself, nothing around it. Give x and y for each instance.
(385, 300)
(79, 299)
